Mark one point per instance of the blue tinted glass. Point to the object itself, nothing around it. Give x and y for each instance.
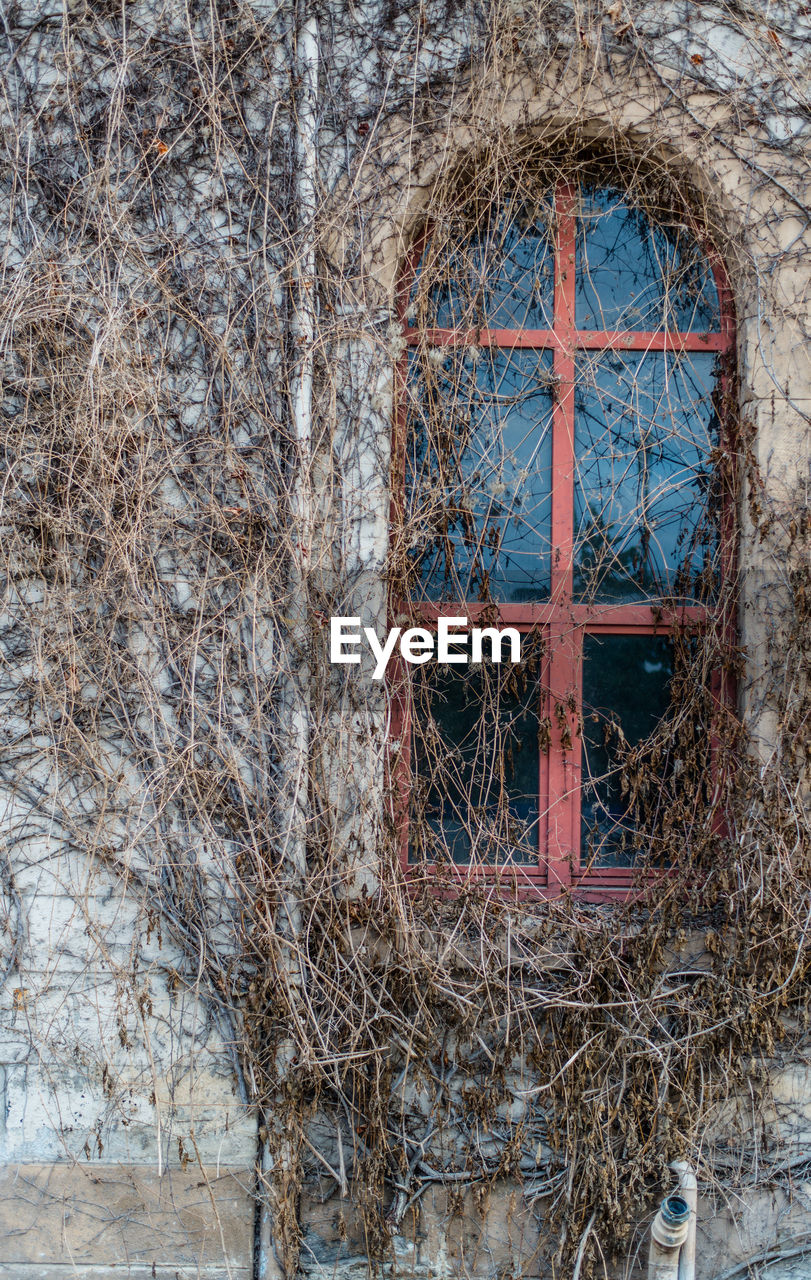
(634, 275)
(626, 691)
(477, 756)
(645, 516)
(519, 273)
(500, 276)
(447, 289)
(479, 472)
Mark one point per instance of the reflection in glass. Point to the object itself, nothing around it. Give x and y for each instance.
(479, 472)
(499, 275)
(644, 513)
(632, 274)
(477, 756)
(626, 691)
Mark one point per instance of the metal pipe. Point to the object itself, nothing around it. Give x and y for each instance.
(278, 1158)
(688, 1190)
(668, 1233)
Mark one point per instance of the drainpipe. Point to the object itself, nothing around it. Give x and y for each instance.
(688, 1190)
(275, 1243)
(667, 1235)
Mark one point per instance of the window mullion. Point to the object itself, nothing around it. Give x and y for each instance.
(563, 814)
(563, 412)
(564, 640)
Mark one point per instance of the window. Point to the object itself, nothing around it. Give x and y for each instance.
(557, 468)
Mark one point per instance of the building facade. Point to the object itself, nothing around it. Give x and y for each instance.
(306, 313)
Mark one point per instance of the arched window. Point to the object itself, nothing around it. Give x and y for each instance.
(559, 436)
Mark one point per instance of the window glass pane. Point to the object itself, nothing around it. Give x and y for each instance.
(634, 275)
(479, 473)
(498, 274)
(645, 519)
(626, 691)
(477, 756)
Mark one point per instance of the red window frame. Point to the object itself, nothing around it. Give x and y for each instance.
(564, 620)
